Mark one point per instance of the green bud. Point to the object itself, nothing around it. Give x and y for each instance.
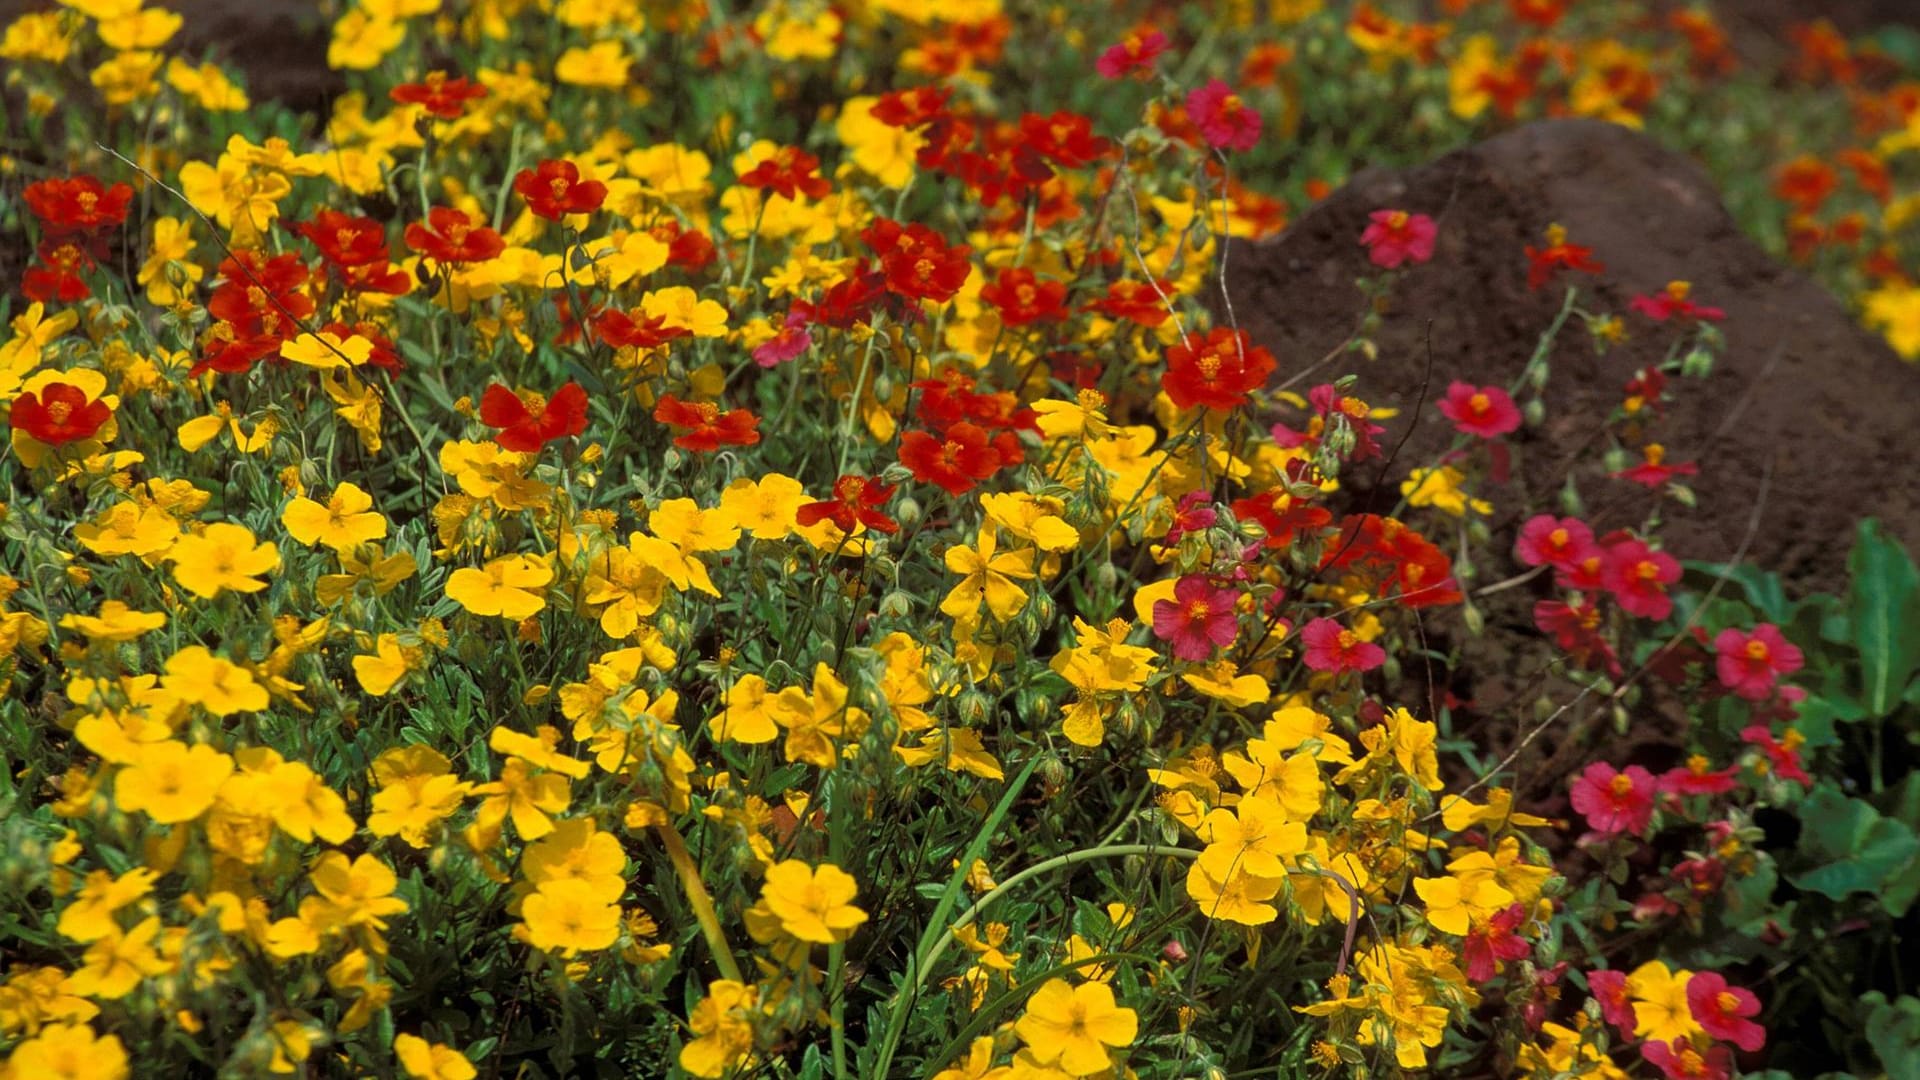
(896, 605)
(1697, 364)
(907, 510)
(1534, 412)
(1476, 622)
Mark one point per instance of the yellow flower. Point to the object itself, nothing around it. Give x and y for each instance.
(357, 893)
(116, 964)
(216, 684)
(305, 807)
(987, 576)
(813, 904)
(748, 712)
(766, 508)
(1072, 1026)
(36, 36)
(679, 307)
(171, 781)
(115, 622)
(90, 916)
(142, 28)
(1254, 837)
(69, 1052)
(1660, 1008)
(809, 33)
(33, 997)
(326, 351)
(1414, 748)
(361, 41)
(128, 528)
(168, 273)
(388, 664)
(570, 916)
(1452, 903)
(604, 65)
(722, 1025)
(1237, 896)
(417, 792)
(222, 557)
(431, 1061)
(1440, 489)
(1894, 310)
(508, 587)
(127, 77)
(816, 722)
(577, 851)
(882, 151)
(347, 519)
(208, 85)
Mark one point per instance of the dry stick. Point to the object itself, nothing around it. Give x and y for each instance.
(1753, 530)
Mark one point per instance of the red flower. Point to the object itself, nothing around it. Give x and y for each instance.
(1486, 411)
(688, 249)
(1281, 516)
(1493, 942)
(917, 261)
(956, 461)
(258, 304)
(1192, 514)
(1638, 577)
(1215, 372)
(1653, 470)
(1139, 302)
(1541, 13)
(1393, 237)
(383, 354)
(1576, 632)
(1749, 664)
(1327, 401)
(855, 502)
(1782, 755)
(1614, 802)
(791, 172)
(1696, 777)
(451, 236)
(57, 279)
(1223, 118)
(553, 189)
(441, 95)
(1198, 619)
(529, 421)
(1558, 255)
(1022, 299)
(380, 277)
(1064, 138)
(709, 429)
(1672, 302)
(346, 240)
(1616, 1007)
(792, 339)
(77, 204)
(623, 330)
(1680, 1061)
(60, 413)
(1559, 542)
(1334, 648)
(1135, 52)
(1647, 389)
(911, 108)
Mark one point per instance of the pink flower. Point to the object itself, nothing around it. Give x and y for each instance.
(1486, 411)
(1638, 577)
(1489, 944)
(1654, 470)
(1610, 990)
(1396, 237)
(1558, 542)
(793, 339)
(1136, 52)
(1749, 664)
(1576, 632)
(1613, 801)
(1198, 619)
(1782, 756)
(1192, 515)
(1680, 1061)
(1696, 777)
(1672, 302)
(1722, 1010)
(1332, 647)
(1224, 120)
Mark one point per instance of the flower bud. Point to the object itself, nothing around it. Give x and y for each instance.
(1476, 622)
(896, 605)
(1534, 412)
(907, 511)
(1697, 364)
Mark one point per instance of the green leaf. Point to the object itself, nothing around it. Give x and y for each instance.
(1885, 619)
(1763, 588)
(1855, 850)
(1893, 1030)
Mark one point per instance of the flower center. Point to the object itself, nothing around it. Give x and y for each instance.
(1621, 785)
(1479, 404)
(1198, 610)
(1726, 1001)
(58, 411)
(1756, 650)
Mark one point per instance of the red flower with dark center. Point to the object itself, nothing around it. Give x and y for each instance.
(1139, 302)
(1646, 390)
(529, 421)
(1222, 117)
(1064, 138)
(790, 173)
(625, 330)
(258, 304)
(1215, 372)
(1022, 299)
(442, 95)
(1199, 618)
(1493, 942)
(1485, 411)
(381, 277)
(1192, 514)
(956, 460)
(1783, 754)
(1333, 648)
(57, 278)
(856, 501)
(553, 189)
(1749, 664)
(1394, 237)
(346, 240)
(1541, 13)
(77, 204)
(708, 429)
(449, 235)
(1135, 53)
(59, 414)
(1638, 577)
(1615, 801)
(917, 261)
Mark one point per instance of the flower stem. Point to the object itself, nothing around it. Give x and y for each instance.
(699, 900)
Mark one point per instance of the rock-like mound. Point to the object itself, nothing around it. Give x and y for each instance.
(1800, 384)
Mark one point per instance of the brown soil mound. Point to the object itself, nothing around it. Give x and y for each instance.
(1799, 385)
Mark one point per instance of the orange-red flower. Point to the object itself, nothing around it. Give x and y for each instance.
(1022, 298)
(77, 204)
(708, 429)
(449, 235)
(440, 94)
(791, 172)
(528, 421)
(58, 414)
(956, 460)
(917, 262)
(553, 189)
(57, 277)
(345, 239)
(1215, 372)
(856, 501)
(1139, 302)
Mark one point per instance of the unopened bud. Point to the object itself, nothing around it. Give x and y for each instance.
(1534, 412)
(1697, 364)
(907, 511)
(1476, 622)
(896, 605)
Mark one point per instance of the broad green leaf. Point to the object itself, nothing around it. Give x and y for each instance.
(1762, 587)
(1853, 849)
(1893, 1030)
(1885, 620)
